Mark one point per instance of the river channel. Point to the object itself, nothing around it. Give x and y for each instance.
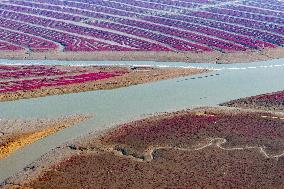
(225, 82)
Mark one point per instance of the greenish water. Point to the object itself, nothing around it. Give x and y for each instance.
(227, 82)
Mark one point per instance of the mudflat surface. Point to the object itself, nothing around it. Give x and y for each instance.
(270, 101)
(171, 168)
(200, 148)
(72, 79)
(191, 57)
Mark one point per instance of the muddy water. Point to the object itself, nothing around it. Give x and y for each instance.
(227, 82)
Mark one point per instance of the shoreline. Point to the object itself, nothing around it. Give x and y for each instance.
(270, 102)
(134, 76)
(88, 147)
(215, 57)
(21, 132)
(79, 151)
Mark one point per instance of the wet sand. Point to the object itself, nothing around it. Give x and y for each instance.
(16, 134)
(271, 101)
(132, 76)
(201, 148)
(192, 57)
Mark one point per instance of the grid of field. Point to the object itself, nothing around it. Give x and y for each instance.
(141, 25)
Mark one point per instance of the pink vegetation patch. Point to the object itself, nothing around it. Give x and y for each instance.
(159, 25)
(270, 101)
(9, 47)
(277, 96)
(35, 77)
(177, 128)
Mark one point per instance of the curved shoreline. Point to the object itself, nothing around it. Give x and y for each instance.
(19, 133)
(89, 146)
(134, 75)
(270, 101)
(189, 57)
(194, 80)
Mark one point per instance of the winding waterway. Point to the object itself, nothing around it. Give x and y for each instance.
(225, 83)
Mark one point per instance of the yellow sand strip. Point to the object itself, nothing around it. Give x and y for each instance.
(18, 141)
(23, 140)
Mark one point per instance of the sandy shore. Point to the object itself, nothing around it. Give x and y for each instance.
(207, 57)
(133, 76)
(16, 134)
(200, 148)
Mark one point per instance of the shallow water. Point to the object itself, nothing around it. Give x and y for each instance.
(227, 82)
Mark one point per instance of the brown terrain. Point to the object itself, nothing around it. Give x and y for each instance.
(192, 57)
(200, 148)
(271, 101)
(15, 134)
(130, 76)
(239, 144)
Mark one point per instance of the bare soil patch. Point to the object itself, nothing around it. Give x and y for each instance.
(192, 57)
(16, 134)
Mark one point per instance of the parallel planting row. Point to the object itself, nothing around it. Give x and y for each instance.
(26, 78)
(141, 25)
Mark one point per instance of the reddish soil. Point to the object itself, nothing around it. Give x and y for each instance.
(209, 168)
(270, 101)
(181, 129)
(18, 82)
(201, 148)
